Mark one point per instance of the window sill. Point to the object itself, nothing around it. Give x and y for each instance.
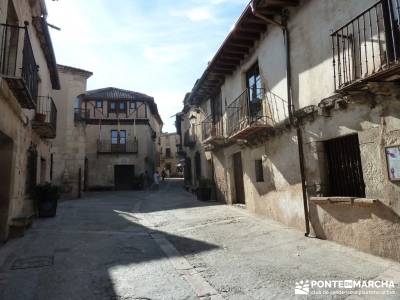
(343, 201)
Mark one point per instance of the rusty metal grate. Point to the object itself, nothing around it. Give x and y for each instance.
(32, 262)
(344, 167)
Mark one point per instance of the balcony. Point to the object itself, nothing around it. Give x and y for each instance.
(106, 147)
(368, 47)
(253, 111)
(17, 64)
(189, 138)
(81, 114)
(212, 132)
(45, 121)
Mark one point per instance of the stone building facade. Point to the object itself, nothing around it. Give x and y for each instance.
(298, 116)
(121, 130)
(70, 144)
(28, 76)
(169, 158)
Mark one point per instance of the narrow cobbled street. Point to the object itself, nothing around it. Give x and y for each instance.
(167, 245)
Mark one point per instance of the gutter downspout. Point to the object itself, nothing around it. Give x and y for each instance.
(286, 38)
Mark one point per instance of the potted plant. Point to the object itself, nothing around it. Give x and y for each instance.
(39, 117)
(204, 189)
(46, 196)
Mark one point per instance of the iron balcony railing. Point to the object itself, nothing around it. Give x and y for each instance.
(45, 121)
(189, 138)
(264, 108)
(106, 146)
(211, 129)
(21, 74)
(81, 114)
(367, 45)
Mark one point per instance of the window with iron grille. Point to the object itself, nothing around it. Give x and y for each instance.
(259, 170)
(345, 176)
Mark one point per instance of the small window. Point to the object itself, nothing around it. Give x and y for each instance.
(132, 105)
(118, 137)
(122, 106)
(112, 106)
(259, 170)
(99, 104)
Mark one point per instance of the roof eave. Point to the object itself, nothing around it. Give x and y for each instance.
(46, 44)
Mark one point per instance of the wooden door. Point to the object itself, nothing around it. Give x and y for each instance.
(238, 178)
(124, 177)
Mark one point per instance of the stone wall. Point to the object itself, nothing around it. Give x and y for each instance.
(16, 130)
(101, 166)
(70, 143)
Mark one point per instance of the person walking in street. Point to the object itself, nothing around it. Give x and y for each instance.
(156, 179)
(163, 174)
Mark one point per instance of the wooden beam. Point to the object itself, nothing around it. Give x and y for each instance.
(251, 27)
(221, 71)
(270, 11)
(232, 62)
(236, 49)
(282, 2)
(247, 35)
(225, 66)
(241, 42)
(232, 56)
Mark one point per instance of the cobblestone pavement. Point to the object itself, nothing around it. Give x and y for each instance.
(167, 245)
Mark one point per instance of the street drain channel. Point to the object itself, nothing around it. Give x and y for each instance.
(32, 262)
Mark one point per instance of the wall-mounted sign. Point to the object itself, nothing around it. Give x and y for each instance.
(393, 162)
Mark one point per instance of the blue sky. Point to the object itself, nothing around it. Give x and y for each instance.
(157, 47)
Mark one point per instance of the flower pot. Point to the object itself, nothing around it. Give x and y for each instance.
(46, 197)
(204, 194)
(41, 118)
(47, 208)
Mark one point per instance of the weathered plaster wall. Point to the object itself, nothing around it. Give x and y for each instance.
(279, 195)
(370, 227)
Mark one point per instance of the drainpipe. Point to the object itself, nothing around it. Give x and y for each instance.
(286, 37)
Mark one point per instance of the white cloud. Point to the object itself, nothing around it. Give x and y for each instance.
(199, 14)
(195, 14)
